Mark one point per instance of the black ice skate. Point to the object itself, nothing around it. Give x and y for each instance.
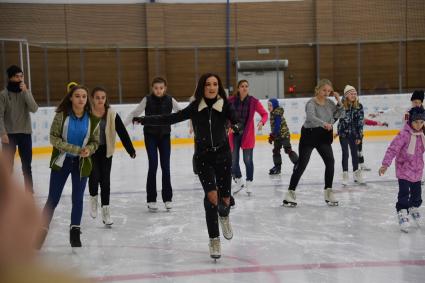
(74, 236)
(275, 170)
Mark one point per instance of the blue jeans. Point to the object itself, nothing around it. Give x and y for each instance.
(247, 159)
(409, 194)
(346, 142)
(24, 144)
(57, 183)
(162, 144)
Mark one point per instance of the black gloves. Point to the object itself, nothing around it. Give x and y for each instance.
(138, 120)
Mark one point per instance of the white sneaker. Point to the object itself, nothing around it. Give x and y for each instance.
(248, 186)
(215, 248)
(290, 199)
(403, 220)
(226, 228)
(416, 216)
(330, 198)
(106, 215)
(358, 177)
(93, 206)
(152, 206)
(345, 178)
(239, 185)
(364, 167)
(168, 205)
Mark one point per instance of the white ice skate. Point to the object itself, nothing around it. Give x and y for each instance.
(330, 198)
(93, 206)
(345, 178)
(226, 228)
(290, 199)
(358, 177)
(363, 167)
(168, 205)
(416, 216)
(106, 216)
(248, 186)
(239, 185)
(215, 248)
(403, 220)
(152, 207)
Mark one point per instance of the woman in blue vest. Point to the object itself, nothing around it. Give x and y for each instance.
(157, 138)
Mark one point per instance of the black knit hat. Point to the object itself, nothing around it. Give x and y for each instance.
(13, 70)
(416, 113)
(417, 95)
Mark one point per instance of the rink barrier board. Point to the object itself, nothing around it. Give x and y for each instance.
(372, 135)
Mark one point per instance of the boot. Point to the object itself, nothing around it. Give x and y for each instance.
(168, 205)
(248, 186)
(345, 178)
(364, 167)
(93, 206)
(358, 177)
(106, 215)
(215, 248)
(41, 237)
(226, 228)
(275, 170)
(414, 212)
(152, 206)
(403, 220)
(239, 185)
(74, 236)
(329, 197)
(290, 199)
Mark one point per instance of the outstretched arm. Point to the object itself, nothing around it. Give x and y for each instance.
(168, 119)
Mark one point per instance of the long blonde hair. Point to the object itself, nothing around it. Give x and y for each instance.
(347, 103)
(321, 84)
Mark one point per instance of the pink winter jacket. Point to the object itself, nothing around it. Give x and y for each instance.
(407, 166)
(248, 137)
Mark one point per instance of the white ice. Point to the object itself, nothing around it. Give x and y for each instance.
(359, 241)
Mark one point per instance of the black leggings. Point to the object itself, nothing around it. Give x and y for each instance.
(214, 172)
(101, 174)
(319, 139)
(360, 152)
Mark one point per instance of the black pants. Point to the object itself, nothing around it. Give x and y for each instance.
(277, 146)
(101, 175)
(346, 142)
(153, 144)
(215, 173)
(319, 139)
(360, 152)
(24, 144)
(409, 194)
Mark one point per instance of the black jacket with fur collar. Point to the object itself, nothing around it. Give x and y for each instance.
(209, 124)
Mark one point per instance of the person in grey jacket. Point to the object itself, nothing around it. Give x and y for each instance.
(16, 103)
(317, 133)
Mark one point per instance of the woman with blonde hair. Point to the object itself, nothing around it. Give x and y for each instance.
(350, 132)
(317, 133)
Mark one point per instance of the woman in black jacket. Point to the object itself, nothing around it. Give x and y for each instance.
(210, 113)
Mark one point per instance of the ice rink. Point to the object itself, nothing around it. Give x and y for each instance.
(359, 241)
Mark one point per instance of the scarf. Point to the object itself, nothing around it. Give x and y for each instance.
(412, 143)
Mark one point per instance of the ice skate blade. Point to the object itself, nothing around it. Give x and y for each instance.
(237, 191)
(153, 209)
(108, 225)
(289, 204)
(215, 257)
(404, 230)
(249, 193)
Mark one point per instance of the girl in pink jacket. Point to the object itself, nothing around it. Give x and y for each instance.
(245, 106)
(408, 148)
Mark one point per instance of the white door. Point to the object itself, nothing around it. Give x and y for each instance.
(263, 84)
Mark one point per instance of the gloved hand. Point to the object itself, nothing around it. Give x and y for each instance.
(138, 120)
(271, 138)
